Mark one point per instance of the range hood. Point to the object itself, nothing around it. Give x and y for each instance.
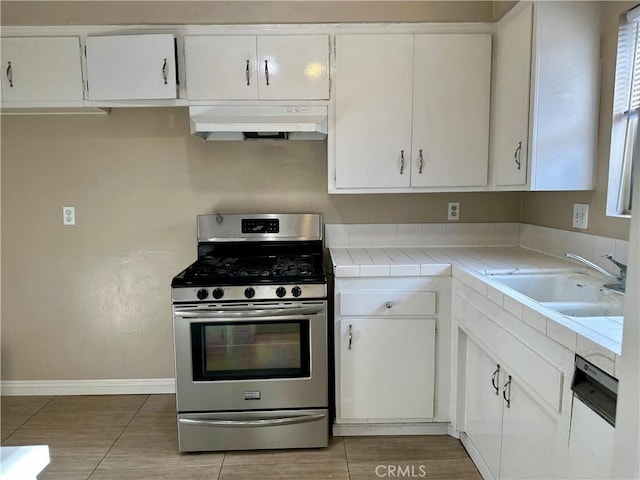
(244, 122)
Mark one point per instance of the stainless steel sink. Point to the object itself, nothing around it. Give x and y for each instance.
(569, 293)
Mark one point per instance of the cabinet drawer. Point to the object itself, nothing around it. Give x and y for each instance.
(388, 303)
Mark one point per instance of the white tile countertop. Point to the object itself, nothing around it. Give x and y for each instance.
(599, 338)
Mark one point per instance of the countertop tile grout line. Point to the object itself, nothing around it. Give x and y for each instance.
(118, 437)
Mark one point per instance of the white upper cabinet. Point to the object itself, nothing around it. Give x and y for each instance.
(131, 67)
(451, 108)
(412, 112)
(42, 69)
(547, 97)
(221, 67)
(373, 97)
(278, 67)
(512, 100)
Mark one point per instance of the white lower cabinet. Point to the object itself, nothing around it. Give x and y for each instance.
(391, 368)
(512, 432)
(375, 382)
(514, 406)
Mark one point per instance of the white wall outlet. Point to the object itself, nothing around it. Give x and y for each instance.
(580, 215)
(68, 215)
(453, 212)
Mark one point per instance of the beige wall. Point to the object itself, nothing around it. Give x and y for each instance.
(231, 12)
(554, 209)
(92, 300)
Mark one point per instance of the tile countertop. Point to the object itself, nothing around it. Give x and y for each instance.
(600, 340)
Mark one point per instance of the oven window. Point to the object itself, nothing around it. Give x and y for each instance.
(250, 350)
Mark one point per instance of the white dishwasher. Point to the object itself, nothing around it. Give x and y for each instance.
(593, 420)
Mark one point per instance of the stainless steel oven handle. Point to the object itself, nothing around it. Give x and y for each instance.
(265, 422)
(247, 313)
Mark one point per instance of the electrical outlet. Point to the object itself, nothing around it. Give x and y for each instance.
(453, 212)
(68, 215)
(580, 215)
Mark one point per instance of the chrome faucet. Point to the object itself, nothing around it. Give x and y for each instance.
(621, 279)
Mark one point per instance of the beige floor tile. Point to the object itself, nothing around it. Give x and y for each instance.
(15, 411)
(69, 429)
(334, 453)
(403, 448)
(141, 451)
(285, 471)
(158, 473)
(95, 403)
(159, 404)
(431, 469)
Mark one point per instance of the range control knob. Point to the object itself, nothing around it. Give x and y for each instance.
(249, 292)
(202, 293)
(281, 291)
(296, 291)
(217, 293)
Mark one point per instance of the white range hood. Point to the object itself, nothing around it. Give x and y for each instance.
(244, 122)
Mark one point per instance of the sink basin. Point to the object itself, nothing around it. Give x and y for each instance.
(572, 294)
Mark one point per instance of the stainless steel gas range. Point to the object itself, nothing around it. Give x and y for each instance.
(250, 335)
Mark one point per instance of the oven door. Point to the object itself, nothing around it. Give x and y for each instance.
(250, 356)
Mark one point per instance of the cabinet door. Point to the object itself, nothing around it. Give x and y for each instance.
(512, 100)
(131, 67)
(41, 69)
(386, 369)
(293, 67)
(529, 437)
(373, 92)
(451, 100)
(221, 67)
(483, 405)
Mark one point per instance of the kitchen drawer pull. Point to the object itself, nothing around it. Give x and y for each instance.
(165, 75)
(516, 155)
(507, 387)
(388, 304)
(10, 74)
(494, 379)
(401, 162)
(266, 71)
(350, 335)
(247, 73)
(261, 422)
(421, 160)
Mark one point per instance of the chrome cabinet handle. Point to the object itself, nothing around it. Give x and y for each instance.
(507, 387)
(165, 75)
(10, 74)
(494, 379)
(266, 71)
(401, 162)
(388, 304)
(421, 161)
(350, 335)
(516, 155)
(247, 73)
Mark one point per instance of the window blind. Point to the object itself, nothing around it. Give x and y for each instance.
(627, 82)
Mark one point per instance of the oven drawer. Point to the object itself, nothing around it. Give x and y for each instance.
(388, 303)
(253, 430)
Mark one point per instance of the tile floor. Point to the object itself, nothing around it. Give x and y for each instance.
(124, 437)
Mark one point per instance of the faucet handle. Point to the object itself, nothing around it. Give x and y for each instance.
(621, 266)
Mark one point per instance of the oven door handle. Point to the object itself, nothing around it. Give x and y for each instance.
(262, 422)
(248, 313)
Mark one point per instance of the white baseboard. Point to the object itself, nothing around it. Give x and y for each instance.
(476, 457)
(360, 429)
(118, 386)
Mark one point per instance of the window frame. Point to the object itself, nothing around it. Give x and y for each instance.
(625, 149)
